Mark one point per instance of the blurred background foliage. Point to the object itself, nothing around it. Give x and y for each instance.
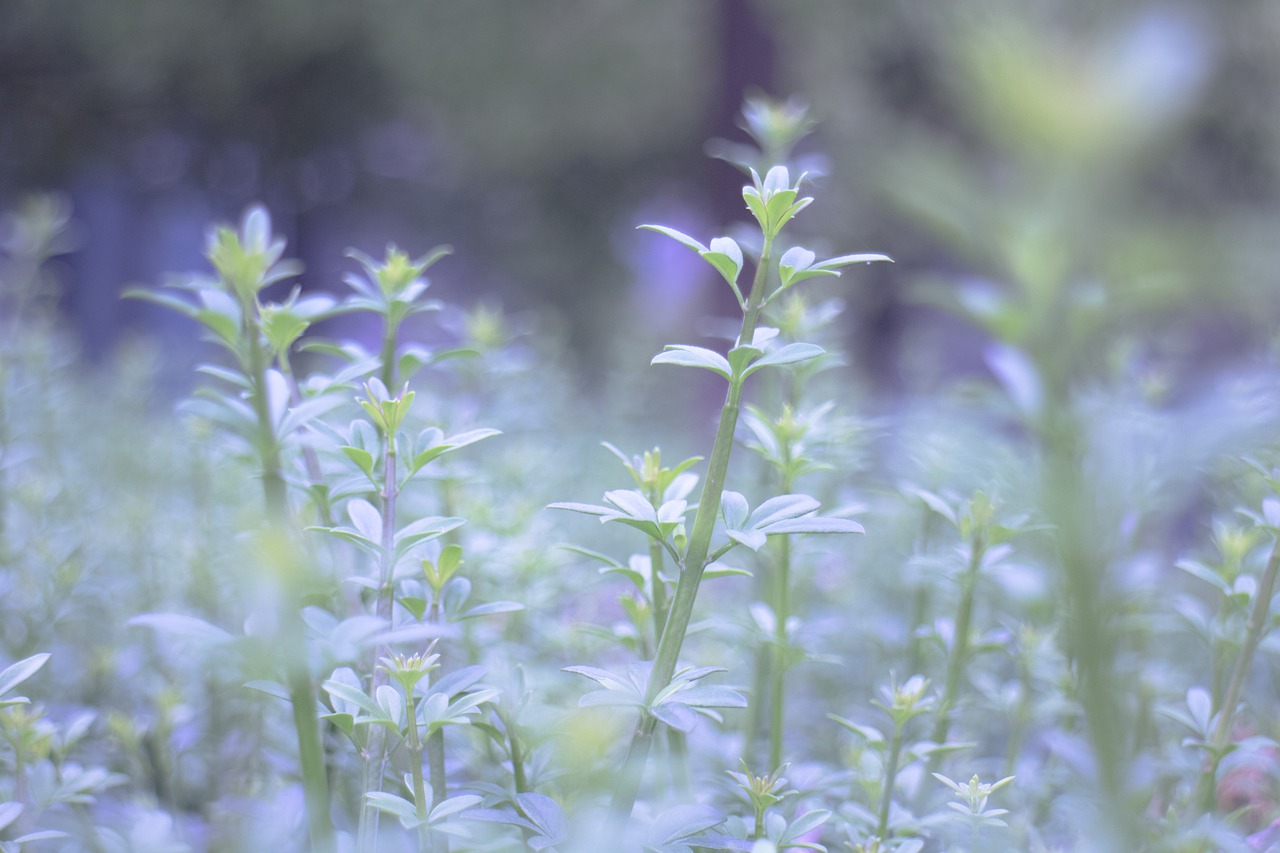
(986, 142)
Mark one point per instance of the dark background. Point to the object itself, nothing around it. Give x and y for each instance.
(535, 136)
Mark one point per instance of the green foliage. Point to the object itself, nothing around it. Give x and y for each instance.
(1081, 602)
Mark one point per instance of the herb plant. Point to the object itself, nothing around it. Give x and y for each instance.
(328, 610)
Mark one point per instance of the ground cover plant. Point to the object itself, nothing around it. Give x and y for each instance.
(398, 589)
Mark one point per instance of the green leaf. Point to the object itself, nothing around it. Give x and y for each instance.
(366, 518)
(753, 539)
(690, 356)
(18, 672)
(491, 608)
(734, 509)
(450, 444)
(182, 626)
(423, 530)
(741, 356)
(726, 256)
(453, 805)
(789, 354)
(362, 458)
(9, 813)
(394, 805)
(271, 688)
(813, 524)
(679, 237)
(781, 507)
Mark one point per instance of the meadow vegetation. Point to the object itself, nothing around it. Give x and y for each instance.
(407, 590)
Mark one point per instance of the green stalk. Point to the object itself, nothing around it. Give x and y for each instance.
(273, 484)
(324, 508)
(374, 756)
(1090, 629)
(1254, 629)
(681, 778)
(516, 750)
(959, 658)
(415, 770)
(778, 672)
(658, 591)
(387, 358)
(890, 777)
(695, 562)
(301, 689)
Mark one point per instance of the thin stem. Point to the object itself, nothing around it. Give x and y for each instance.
(1090, 625)
(890, 777)
(681, 779)
(415, 770)
(960, 646)
(658, 590)
(273, 485)
(681, 612)
(324, 509)
(300, 684)
(781, 642)
(516, 750)
(375, 750)
(1254, 629)
(387, 358)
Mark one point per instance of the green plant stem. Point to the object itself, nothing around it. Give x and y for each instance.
(658, 591)
(300, 685)
(681, 778)
(781, 644)
(324, 509)
(695, 562)
(415, 770)
(435, 759)
(960, 646)
(516, 750)
(1090, 627)
(387, 358)
(890, 778)
(1021, 718)
(375, 750)
(273, 484)
(1254, 630)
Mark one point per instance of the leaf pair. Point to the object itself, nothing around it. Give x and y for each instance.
(678, 705)
(778, 515)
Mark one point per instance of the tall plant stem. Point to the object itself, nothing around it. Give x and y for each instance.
(324, 509)
(695, 562)
(781, 646)
(1254, 629)
(958, 661)
(1090, 628)
(415, 771)
(376, 747)
(658, 591)
(890, 778)
(302, 697)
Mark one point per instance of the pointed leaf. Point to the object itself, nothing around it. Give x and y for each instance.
(790, 354)
(812, 524)
(366, 518)
(781, 507)
(679, 237)
(690, 356)
(16, 673)
(182, 626)
(733, 506)
(452, 806)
